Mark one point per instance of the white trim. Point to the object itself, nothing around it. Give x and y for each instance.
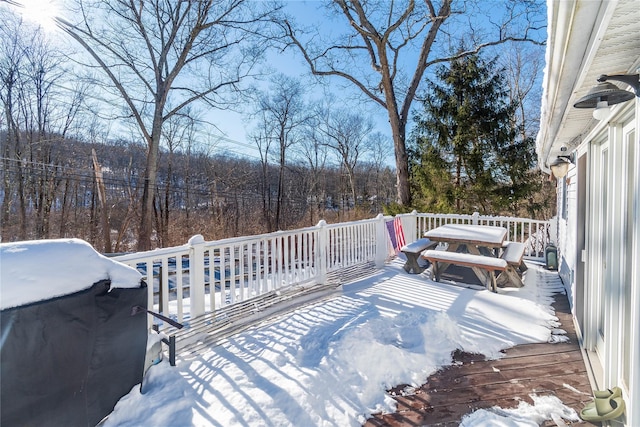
(632, 270)
(615, 254)
(607, 243)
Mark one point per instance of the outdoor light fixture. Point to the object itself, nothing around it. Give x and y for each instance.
(560, 166)
(605, 94)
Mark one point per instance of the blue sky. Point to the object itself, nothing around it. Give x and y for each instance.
(234, 126)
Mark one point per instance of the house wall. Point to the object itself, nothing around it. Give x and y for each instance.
(567, 220)
(607, 304)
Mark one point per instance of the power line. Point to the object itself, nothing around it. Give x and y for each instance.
(86, 177)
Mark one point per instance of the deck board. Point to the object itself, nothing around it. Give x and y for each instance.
(472, 382)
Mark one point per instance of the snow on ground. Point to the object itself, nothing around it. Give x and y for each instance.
(544, 408)
(329, 363)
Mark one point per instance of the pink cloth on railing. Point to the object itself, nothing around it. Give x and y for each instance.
(396, 233)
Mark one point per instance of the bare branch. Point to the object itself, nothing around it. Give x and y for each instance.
(332, 72)
(69, 29)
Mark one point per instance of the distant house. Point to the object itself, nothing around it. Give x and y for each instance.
(599, 198)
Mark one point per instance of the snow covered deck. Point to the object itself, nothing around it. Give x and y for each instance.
(526, 374)
(333, 361)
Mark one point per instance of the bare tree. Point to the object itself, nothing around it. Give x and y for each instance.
(39, 114)
(178, 134)
(43, 128)
(346, 134)
(380, 149)
(283, 114)
(162, 55)
(12, 58)
(523, 66)
(263, 143)
(314, 155)
(401, 40)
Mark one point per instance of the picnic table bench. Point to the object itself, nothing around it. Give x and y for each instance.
(483, 266)
(413, 250)
(513, 254)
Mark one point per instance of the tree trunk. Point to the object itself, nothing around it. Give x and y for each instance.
(352, 184)
(150, 177)
(280, 183)
(398, 129)
(64, 209)
(22, 201)
(102, 197)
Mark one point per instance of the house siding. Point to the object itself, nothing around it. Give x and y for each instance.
(612, 272)
(567, 206)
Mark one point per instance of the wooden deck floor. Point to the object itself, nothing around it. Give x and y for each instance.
(472, 383)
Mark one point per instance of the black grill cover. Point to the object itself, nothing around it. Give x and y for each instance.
(67, 361)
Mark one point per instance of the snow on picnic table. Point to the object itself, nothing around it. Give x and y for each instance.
(489, 234)
(330, 363)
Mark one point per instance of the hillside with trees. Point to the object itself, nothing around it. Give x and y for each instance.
(197, 193)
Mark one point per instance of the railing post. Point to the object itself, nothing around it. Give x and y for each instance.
(196, 274)
(410, 229)
(322, 252)
(381, 241)
(475, 218)
(161, 293)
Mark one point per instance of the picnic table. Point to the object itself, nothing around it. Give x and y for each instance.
(479, 247)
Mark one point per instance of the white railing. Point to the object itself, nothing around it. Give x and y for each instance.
(203, 277)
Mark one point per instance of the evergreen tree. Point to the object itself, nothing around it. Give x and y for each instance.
(468, 153)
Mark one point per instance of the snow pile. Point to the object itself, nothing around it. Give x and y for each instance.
(39, 270)
(330, 363)
(544, 408)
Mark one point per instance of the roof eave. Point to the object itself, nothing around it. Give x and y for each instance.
(575, 31)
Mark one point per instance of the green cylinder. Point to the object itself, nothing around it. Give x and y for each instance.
(551, 257)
